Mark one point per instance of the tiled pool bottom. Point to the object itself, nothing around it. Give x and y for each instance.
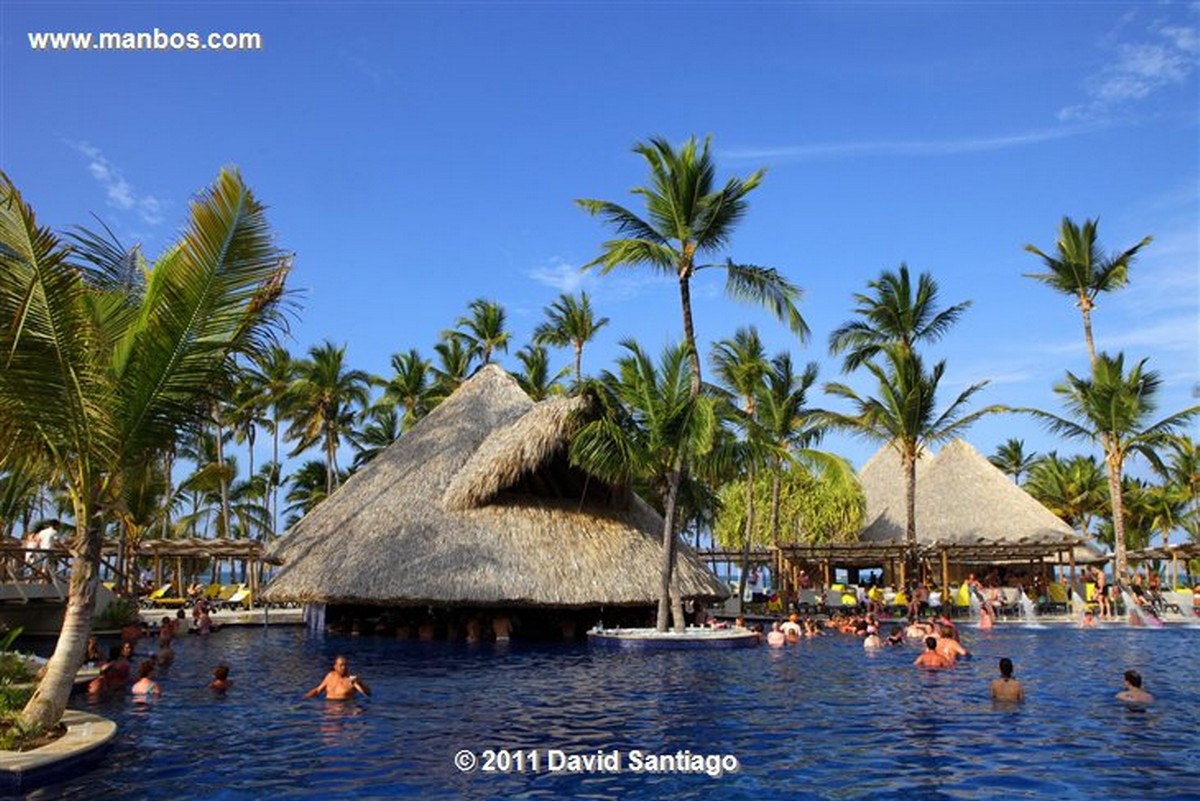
(822, 719)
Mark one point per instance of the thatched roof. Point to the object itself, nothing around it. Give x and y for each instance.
(963, 504)
(476, 505)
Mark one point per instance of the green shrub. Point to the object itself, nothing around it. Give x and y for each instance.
(119, 613)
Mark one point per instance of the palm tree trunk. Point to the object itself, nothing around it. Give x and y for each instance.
(250, 437)
(1085, 307)
(910, 505)
(49, 701)
(330, 463)
(223, 479)
(749, 533)
(776, 482)
(275, 475)
(578, 364)
(689, 333)
(1120, 564)
(670, 512)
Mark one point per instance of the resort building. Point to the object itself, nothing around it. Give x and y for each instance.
(474, 523)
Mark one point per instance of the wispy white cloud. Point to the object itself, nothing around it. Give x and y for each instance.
(1163, 56)
(120, 193)
(561, 276)
(914, 147)
(366, 65)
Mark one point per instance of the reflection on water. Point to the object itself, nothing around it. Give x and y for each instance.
(821, 719)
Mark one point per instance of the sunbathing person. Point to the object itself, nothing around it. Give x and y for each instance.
(338, 684)
(930, 658)
(1006, 688)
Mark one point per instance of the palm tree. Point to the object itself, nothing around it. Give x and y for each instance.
(482, 331)
(688, 217)
(99, 380)
(308, 488)
(649, 429)
(1183, 472)
(271, 376)
(569, 321)
(326, 396)
(1080, 269)
(741, 366)
(1011, 459)
(383, 428)
(410, 386)
(1073, 489)
(894, 314)
(904, 414)
(535, 377)
(1113, 408)
(453, 368)
(789, 425)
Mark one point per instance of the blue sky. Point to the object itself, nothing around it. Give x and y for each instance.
(416, 156)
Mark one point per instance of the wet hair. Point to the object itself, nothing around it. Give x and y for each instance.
(1134, 678)
(931, 643)
(114, 652)
(221, 672)
(1006, 667)
(146, 668)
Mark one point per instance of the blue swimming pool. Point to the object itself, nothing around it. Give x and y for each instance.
(818, 720)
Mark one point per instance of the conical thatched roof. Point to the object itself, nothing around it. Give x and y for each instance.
(882, 482)
(962, 499)
(476, 505)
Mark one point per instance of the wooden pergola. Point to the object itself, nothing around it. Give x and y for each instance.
(191, 552)
(1186, 551)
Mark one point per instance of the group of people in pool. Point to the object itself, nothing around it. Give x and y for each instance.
(116, 672)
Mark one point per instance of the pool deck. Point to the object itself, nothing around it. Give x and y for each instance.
(258, 616)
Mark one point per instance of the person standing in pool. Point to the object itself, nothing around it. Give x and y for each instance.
(1133, 692)
(1006, 688)
(338, 684)
(930, 658)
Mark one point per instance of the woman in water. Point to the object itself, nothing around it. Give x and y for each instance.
(145, 687)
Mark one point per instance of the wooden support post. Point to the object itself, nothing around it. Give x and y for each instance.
(946, 577)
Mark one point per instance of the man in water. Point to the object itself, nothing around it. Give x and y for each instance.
(1006, 688)
(338, 684)
(1133, 692)
(930, 658)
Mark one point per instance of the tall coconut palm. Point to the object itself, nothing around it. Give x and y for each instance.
(326, 396)
(1114, 408)
(269, 380)
(1079, 268)
(790, 426)
(894, 313)
(1011, 458)
(570, 321)
(307, 488)
(904, 415)
(1073, 489)
(741, 365)
(650, 429)
(410, 386)
(535, 376)
(689, 218)
(482, 331)
(98, 380)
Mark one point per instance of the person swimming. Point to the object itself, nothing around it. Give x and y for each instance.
(1006, 688)
(221, 680)
(145, 687)
(1133, 692)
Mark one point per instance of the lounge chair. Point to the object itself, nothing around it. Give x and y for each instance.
(240, 597)
(1010, 602)
(1056, 602)
(807, 602)
(159, 599)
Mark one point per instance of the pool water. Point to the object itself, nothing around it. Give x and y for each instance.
(823, 719)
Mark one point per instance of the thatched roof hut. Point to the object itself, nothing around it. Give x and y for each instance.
(477, 506)
(966, 506)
